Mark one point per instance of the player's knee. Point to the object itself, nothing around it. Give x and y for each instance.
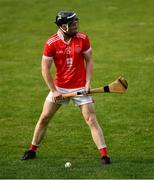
(91, 119)
(44, 118)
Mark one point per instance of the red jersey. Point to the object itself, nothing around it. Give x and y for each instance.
(68, 58)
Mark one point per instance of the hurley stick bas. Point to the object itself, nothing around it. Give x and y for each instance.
(120, 85)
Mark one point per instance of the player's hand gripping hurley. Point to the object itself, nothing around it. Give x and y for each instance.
(120, 85)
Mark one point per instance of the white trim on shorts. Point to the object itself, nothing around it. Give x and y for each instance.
(78, 100)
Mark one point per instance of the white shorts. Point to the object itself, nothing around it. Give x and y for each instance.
(78, 100)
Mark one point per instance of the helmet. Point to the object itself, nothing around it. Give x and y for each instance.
(65, 17)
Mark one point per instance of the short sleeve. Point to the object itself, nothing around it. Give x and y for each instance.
(48, 51)
(86, 45)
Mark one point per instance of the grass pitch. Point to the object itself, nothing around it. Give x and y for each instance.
(121, 35)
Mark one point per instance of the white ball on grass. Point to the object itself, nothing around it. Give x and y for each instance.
(67, 165)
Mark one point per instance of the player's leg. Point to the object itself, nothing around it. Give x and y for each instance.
(90, 118)
(48, 112)
(96, 131)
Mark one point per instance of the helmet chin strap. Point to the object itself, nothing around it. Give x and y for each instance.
(64, 31)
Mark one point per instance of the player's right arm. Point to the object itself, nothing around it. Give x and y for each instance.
(45, 67)
(47, 59)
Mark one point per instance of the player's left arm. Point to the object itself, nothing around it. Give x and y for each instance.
(89, 68)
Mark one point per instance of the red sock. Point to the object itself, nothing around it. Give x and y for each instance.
(103, 151)
(33, 147)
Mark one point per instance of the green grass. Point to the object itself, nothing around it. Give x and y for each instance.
(121, 34)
